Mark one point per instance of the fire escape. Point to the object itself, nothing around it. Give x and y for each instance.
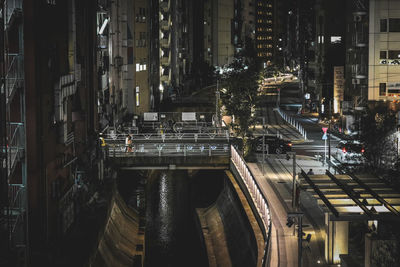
(359, 54)
(14, 148)
(165, 43)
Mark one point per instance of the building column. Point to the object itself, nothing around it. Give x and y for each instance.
(336, 239)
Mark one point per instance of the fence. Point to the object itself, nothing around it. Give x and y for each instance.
(258, 198)
(292, 121)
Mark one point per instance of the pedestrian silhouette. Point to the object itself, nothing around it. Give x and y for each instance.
(310, 172)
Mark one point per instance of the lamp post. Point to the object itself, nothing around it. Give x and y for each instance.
(299, 216)
(293, 154)
(217, 95)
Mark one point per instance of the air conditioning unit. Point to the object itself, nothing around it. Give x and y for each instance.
(355, 81)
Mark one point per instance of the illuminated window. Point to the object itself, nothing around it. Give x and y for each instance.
(137, 96)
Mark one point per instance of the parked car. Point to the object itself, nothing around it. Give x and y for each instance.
(273, 144)
(350, 152)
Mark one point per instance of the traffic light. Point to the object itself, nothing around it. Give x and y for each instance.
(289, 222)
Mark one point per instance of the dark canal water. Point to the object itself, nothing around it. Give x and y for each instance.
(173, 234)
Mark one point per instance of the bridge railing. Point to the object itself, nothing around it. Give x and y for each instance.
(167, 137)
(168, 149)
(257, 196)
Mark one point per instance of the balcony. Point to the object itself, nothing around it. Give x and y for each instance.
(14, 74)
(164, 25)
(13, 9)
(165, 42)
(359, 71)
(359, 39)
(165, 5)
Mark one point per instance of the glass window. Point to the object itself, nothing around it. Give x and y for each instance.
(383, 25)
(382, 89)
(394, 54)
(394, 25)
(383, 55)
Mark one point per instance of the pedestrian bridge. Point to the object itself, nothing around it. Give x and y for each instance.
(170, 150)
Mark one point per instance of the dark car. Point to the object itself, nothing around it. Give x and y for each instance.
(274, 144)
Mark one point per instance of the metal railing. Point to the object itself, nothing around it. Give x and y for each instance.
(10, 6)
(257, 196)
(167, 137)
(292, 121)
(16, 143)
(15, 74)
(16, 196)
(168, 150)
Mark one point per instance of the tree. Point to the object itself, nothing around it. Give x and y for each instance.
(240, 86)
(377, 128)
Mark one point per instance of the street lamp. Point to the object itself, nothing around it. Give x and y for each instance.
(299, 216)
(293, 154)
(217, 96)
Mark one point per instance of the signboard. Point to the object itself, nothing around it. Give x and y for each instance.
(324, 129)
(338, 87)
(150, 116)
(188, 116)
(324, 137)
(393, 88)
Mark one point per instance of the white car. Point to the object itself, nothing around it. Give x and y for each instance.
(350, 152)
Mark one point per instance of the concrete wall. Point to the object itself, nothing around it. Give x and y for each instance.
(231, 233)
(117, 246)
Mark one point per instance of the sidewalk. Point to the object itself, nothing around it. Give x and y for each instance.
(276, 184)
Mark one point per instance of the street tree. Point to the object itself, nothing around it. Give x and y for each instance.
(377, 128)
(238, 96)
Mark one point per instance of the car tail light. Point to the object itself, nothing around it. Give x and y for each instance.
(289, 144)
(362, 150)
(344, 150)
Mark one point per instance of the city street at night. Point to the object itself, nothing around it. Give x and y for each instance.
(248, 133)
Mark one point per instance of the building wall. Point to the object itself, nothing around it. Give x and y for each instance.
(56, 58)
(222, 48)
(140, 57)
(384, 70)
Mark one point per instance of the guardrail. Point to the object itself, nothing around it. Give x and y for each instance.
(292, 121)
(258, 198)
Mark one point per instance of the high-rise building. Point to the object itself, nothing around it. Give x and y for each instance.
(264, 30)
(356, 68)
(170, 54)
(218, 31)
(51, 117)
(384, 50)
